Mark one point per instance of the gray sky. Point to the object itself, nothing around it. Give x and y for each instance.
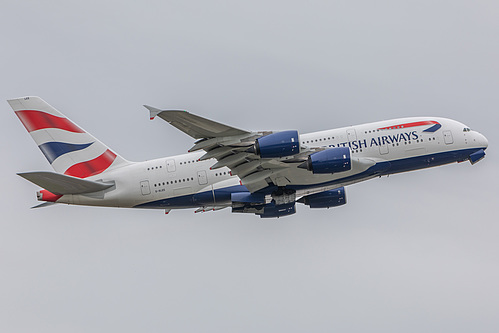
(413, 252)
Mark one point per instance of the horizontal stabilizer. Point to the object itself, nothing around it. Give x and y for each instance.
(61, 184)
(44, 204)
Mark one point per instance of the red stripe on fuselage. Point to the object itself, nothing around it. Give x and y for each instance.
(92, 167)
(36, 120)
(417, 123)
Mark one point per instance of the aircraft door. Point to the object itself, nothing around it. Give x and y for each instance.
(448, 137)
(170, 165)
(202, 178)
(383, 149)
(144, 187)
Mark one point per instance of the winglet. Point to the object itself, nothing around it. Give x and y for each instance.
(153, 112)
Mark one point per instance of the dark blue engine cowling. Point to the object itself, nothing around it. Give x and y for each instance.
(279, 144)
(332, 198)
(329, 161)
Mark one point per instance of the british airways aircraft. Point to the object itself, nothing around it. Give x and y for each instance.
(263, 173)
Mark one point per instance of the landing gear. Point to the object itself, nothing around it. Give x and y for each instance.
(283, 196)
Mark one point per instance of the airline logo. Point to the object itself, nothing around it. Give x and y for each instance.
(436, 126)
(57, 137)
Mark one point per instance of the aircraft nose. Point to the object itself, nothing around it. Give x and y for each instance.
(481, 140)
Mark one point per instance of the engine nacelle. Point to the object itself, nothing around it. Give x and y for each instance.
(331, 160)
(332, 198)
(279, 144)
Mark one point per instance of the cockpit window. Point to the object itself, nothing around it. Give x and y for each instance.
(466, 129)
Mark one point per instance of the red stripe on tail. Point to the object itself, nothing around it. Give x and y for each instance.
(92, 167)
(36, 120)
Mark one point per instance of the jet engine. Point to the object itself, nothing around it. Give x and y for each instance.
(278, 144)
(331, 160)
(332, 198)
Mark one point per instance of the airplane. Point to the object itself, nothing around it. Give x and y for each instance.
(258, 172)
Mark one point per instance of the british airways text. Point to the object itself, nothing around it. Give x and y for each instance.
(381, 140)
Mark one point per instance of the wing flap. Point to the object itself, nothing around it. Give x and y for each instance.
(61, 184)
(239, 142)
(230, 161)
(216, 153)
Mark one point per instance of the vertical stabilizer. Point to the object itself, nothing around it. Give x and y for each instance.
(68, 148)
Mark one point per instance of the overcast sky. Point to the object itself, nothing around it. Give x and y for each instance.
(415, 252)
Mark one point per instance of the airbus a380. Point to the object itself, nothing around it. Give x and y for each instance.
(264, 173)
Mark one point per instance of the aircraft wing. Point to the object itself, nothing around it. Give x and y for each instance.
(233, 148)
(195, 126)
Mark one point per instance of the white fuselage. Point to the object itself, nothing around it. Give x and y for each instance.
(174, 182)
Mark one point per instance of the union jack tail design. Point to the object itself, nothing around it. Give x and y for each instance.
(68, 148)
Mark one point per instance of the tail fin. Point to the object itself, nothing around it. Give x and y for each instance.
(68, 148)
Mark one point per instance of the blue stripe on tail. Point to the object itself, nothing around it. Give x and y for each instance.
(52, 150)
